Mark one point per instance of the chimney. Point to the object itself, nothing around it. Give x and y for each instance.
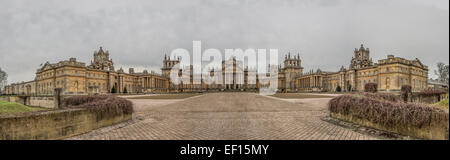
(131, 70)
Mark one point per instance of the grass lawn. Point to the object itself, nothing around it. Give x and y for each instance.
(11, 107)
(166, 96)
(298, 96)
(442, 104)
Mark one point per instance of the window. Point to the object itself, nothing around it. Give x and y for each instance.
(388, 82)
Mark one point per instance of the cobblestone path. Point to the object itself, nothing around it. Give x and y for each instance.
(228, 116)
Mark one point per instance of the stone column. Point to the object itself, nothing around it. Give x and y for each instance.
(57, 98)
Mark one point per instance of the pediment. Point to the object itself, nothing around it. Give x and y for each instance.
(417, 61)
(46, 66)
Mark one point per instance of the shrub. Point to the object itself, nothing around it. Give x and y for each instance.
(338, 89)
(114, 89)
(125, 90)
(405, 92)
(105, 105)
(383, 96)
(406, 89)
(78, 100)
(387, 113)
(371, 87)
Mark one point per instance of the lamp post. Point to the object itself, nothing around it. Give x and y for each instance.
(201, 81)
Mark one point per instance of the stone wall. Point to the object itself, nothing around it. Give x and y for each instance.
(35, 101)
(429, 99)
(46, 102)
(15, 99)
(4, 99)
(57, 124)
(432, 132)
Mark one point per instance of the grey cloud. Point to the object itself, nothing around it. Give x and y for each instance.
(138, 33)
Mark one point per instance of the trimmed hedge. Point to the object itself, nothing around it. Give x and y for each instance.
(78, 100)
(406, 89)
(371, 87)
(383, 96)
(338, 89)
(387, 113)
(106, 105)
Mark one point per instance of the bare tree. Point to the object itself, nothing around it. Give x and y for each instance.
(3, 78)
(442, 72)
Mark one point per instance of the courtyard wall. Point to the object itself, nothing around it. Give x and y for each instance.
(56, 124)
(35, 101)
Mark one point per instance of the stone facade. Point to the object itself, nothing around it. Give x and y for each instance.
(75, 78)
(99, 77)
(235, 76)
(390, 74)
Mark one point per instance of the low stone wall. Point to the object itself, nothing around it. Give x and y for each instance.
(35, 101)
(46, 102)
(4, 99)
(430, 132)
(425, 99)
(15, 99)
(428, 99)
(57, 124)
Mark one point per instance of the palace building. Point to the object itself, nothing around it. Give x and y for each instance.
(390, 74)
(235, 76)
(100, 77)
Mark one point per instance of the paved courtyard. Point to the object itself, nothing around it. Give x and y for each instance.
(228, 116)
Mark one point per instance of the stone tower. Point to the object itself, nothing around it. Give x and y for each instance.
(294, 61)
(361, 59)
(292, 67)
(168, 64)
(102, 61)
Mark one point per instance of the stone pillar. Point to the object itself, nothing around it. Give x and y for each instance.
(57, 98)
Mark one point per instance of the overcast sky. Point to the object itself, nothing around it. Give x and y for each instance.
(138, 33)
